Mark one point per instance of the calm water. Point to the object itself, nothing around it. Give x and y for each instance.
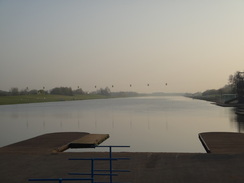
(147, 124)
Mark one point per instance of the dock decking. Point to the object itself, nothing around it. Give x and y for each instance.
(56, 142)
(223, 142)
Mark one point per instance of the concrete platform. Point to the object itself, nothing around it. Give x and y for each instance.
(145, 167)
(223, 142)
(20, 165)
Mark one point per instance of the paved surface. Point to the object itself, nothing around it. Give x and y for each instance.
(19, 166)
(145, 167)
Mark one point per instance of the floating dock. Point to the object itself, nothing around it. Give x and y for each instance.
(56, 142)
(223, 142)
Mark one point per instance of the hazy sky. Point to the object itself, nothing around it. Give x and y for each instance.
(191, 45)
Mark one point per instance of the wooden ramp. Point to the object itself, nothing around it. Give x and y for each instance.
(223, 142)
(56, 142)
(90, 140)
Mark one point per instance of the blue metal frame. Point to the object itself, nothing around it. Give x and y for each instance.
(110, 161)
(60, 180)
(92, 174)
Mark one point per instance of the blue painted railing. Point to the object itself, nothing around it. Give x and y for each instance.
(93, 170)
(110, 159)
(60, 180)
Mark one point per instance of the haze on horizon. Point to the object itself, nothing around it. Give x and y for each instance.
(190, 45)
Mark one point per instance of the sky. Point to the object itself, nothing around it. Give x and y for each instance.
(191, 45)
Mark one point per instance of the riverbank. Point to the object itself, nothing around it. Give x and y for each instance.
(23, 99)
(216, 99)
(41, 98)
(209, 98)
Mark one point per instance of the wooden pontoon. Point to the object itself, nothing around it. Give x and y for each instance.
(223, 142)
(56, 142)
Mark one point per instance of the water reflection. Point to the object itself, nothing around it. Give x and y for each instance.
(237, 119)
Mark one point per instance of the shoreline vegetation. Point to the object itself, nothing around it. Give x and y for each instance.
(16, 96)
(226, 94)
(41, 98)
(209, 98)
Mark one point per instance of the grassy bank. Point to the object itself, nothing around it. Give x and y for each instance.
(23, 99)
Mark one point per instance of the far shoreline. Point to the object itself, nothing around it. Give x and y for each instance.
(43, 98)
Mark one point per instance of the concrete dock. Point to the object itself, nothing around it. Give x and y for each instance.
(19, 166)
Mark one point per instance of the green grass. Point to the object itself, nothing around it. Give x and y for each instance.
(23, 99)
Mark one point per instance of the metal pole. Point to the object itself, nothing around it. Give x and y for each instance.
(110, 161)
(92, 170)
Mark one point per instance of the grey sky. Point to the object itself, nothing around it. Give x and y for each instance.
(191, 45)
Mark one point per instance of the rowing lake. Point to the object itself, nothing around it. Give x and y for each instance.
(147, 124)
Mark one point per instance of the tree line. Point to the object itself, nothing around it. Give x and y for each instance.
(14, 91)
(229, 88)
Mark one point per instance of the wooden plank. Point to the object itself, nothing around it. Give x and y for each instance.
(223, 142)
(89, 140)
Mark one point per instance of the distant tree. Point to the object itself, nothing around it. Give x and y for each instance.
(79, 91)
(42, 91)
(227, 89)
(33, 92)
(62, 91)
(106, 91)
(230, 88)
(14, 91)
(4, 93)
(24, 91)
(210, 92)
(234, 80)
